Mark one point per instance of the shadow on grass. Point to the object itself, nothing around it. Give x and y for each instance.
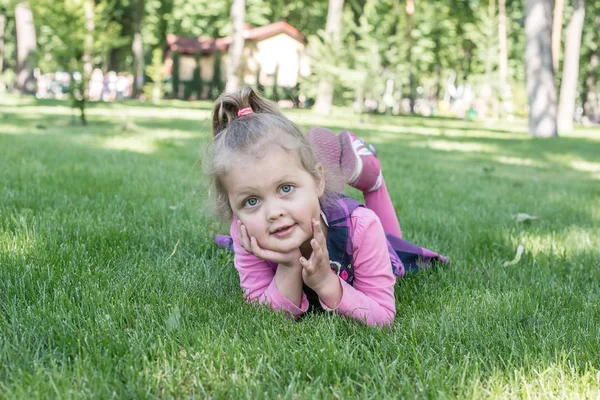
(17, 102)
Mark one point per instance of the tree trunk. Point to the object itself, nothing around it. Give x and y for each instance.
(166, 8)
(487, 90)
(410, 10)
(236, 48)
(137, 49)
(541, 89)
(568, 89)
(502, 54)
(26, 45)
(89, 44)
(559, 6)
(2, 29)
(333, 30)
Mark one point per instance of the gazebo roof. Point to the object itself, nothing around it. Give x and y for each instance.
(207, 45)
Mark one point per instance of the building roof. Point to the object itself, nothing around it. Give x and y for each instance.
(207, 45)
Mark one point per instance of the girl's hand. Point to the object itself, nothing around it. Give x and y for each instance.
(316, 269)
(250, 244)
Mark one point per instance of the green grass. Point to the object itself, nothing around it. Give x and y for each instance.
(110, 285)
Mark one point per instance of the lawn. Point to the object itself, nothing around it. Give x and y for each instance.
(111, 286)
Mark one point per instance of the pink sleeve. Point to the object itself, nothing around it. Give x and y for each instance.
(371, 299)
(257, 280)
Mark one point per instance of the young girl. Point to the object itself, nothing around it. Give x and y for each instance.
(297, 241)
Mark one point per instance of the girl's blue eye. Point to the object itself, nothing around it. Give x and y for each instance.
(251, 202)
(285, 189)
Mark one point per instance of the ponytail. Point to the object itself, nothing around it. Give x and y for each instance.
(228, 105)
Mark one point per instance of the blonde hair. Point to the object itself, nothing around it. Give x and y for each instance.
(248, 134)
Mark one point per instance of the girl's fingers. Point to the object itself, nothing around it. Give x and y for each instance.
(310, 265)
(317, 255)
(307, 265)
(243, 235)
(256, 250)
(316, 228)
(318, 233)
(240, 235)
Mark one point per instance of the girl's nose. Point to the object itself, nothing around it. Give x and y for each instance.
(275, 211)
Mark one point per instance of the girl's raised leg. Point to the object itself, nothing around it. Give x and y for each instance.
(360, 165)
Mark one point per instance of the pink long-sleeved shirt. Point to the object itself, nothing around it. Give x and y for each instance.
(370, 300)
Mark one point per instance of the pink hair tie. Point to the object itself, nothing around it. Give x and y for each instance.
(244, 111)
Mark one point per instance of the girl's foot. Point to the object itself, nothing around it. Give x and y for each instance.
(359, 163)
(328, 152)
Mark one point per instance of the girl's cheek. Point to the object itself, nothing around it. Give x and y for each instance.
(251, 228)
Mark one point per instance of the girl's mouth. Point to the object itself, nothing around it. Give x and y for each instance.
(284, 231)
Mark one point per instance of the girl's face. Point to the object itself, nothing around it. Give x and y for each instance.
(275, 198)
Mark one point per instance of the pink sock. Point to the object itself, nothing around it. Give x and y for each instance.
(380, 203)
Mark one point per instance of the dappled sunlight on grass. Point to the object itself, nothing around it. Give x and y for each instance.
(129, 143)
(467, 147)
(151, 112)
(592, 134)
(575, 162)
(146, 141)
(440, 130)
(33, 111)
(17, 237)
(115, 113)
(560, 379)
(10, 129)
(587, 167)
(571, 241)
(520, 161)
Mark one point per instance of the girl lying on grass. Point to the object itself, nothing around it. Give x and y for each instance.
(298, 241)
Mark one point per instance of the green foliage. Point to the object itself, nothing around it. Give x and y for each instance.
(590, 46)
(8, 55)
(197, 83)
(216, 84)
(273, 91)
(199, 18)
(455, 37)
(188, 89)
(259, 86)
(61, 33)
(175, 75)
(154, 70)
(157, 17)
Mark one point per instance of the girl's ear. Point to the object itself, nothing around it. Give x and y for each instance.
(321, 180)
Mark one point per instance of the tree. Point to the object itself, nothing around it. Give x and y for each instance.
(557, 25)
(589, 66)
(568, 88)
(502, 54)
(236, 48)
(332, 36)
(590, 99)
(541, 89)
(66, 36)
(410, 10)
(26, 47)
(88, 50)
(155, 71)
(3, 20)
(137, 48)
